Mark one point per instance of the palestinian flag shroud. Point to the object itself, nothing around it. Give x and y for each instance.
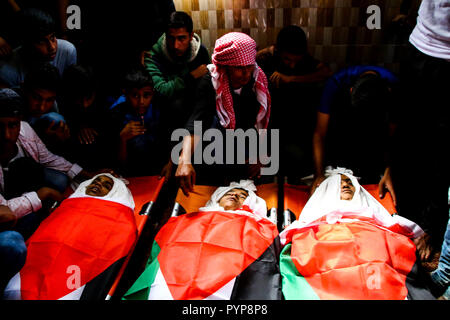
(85, 237)
(355, 258)
(212, 255)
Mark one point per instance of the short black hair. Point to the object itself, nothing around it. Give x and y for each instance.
(11, 104)
(370, 91)
(78, 82)
(35, 24)
(292, 39)
(137, 77)
(180, 19)
(42, 76)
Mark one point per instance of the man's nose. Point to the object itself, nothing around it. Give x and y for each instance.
(42, 106)
(51, 45)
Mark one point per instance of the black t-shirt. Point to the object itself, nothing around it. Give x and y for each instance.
(245, 106)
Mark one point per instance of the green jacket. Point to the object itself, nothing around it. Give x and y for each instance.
(171, 77)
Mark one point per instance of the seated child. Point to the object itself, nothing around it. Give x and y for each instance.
(85, 241)
(228, 250)
(31, 177)
(135, 127)
(39, 91)
(39, 44)
(85, 117)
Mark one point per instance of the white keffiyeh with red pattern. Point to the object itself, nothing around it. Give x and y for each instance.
(237, 49)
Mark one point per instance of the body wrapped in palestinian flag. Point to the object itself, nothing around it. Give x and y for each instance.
(357, 251)
(76, 252)
(215, 255)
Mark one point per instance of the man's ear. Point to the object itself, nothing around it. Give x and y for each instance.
(191, 36)
(351, 89)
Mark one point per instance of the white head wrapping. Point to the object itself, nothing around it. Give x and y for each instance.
(256, 204)
(327, 198)
(326, 202)
(119, 192)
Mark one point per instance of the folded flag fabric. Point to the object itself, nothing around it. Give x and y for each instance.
(212, 255)
(350, 257)
(76, 252)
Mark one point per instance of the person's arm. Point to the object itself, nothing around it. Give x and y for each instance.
(163, 85)
(321, 73)
(5, 48)
(319, 135)
(30, 201)
(41, 154)
(132, 129)
(7, 218)
(185, 173)
(14, 6)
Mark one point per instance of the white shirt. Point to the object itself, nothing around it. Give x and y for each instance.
(432, 32)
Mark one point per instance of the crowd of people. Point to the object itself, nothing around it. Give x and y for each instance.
(66, 115)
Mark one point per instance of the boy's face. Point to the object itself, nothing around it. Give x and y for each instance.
(47, 47)
(9, 133)
(140, 99)
(233, 199)
(347, 188)
(40, 101)
(290, 60)
(100, 187)
(178, 40)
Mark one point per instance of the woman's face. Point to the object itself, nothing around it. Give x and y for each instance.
(233, 199)
(347, 188)
(100, 187)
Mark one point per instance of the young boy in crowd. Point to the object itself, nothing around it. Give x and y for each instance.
(39, 45)
(39, 91)
(295, 82)
(84, 115)
(31, 177)
(135, 127)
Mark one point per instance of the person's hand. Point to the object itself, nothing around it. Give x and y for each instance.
(386, 185)
(316, 183)
(145, 55)
(278, 79)
(131, 130)
(185, 175)
(423, 247)
(5, 48)
(87, 135)
(7, 218)
(254, 170)
(199, 72)
(59, 132)
(166, 171)
(46, 193)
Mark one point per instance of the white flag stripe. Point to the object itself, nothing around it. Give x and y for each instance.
(159, 289)
(12, 290)
(74, 295)
(223, 293)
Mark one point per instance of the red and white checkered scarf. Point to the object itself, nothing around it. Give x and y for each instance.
(237, 49)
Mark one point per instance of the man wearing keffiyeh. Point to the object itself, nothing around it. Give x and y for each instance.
(233, 95)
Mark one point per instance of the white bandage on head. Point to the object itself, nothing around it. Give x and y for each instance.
(327, 198)
(119, 192)
(253, 202)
